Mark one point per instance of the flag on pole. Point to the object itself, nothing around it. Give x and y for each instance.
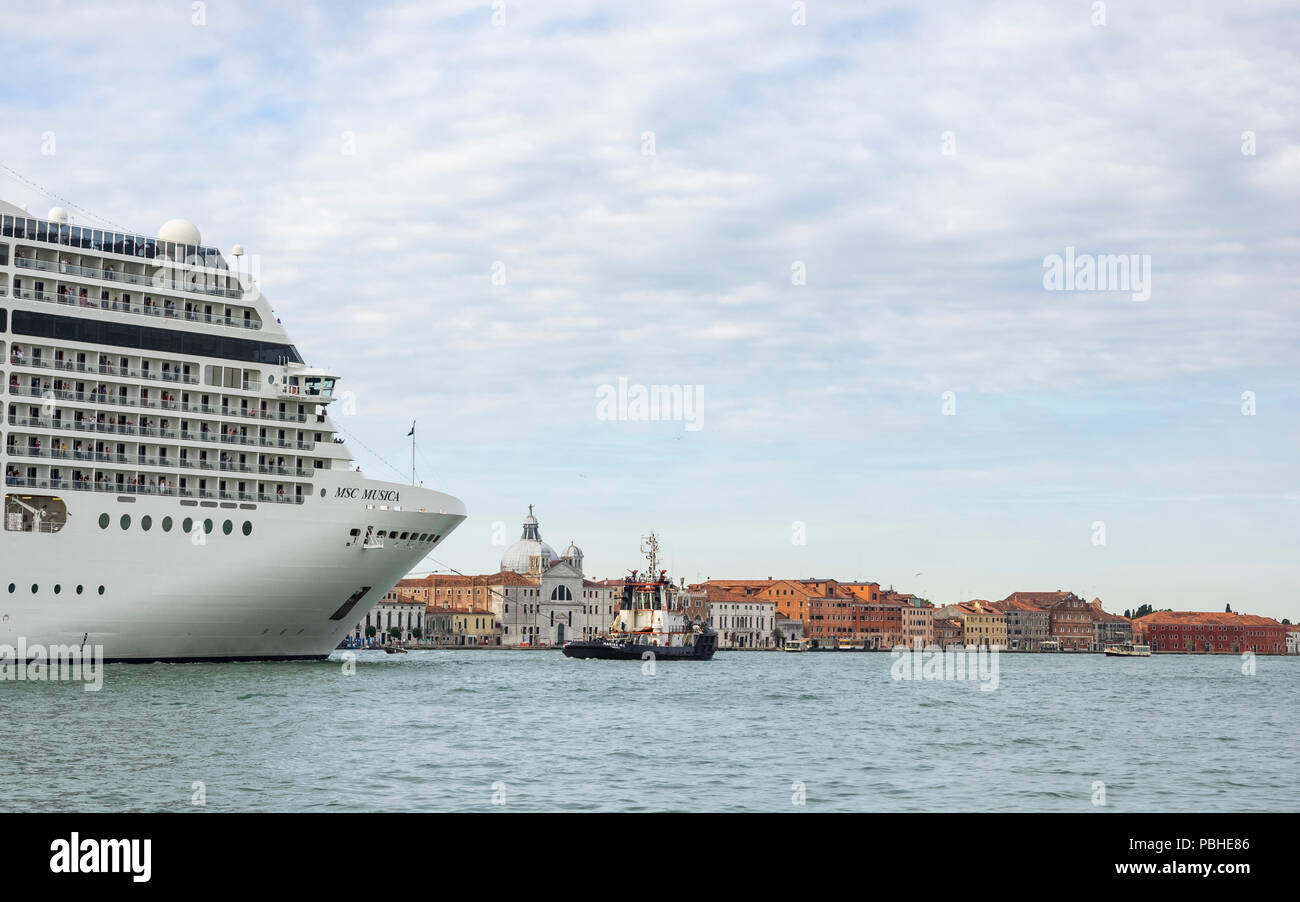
(412, 432)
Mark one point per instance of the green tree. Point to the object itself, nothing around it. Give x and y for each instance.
(395, 632)
(370, 632)
(417, 633)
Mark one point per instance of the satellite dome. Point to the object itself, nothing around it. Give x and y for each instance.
(181, 231)
(58, 214)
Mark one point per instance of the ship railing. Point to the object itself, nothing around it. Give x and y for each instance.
(154, 431)
(157, 280)
(102, 369)
(112, 306)
(127, 489)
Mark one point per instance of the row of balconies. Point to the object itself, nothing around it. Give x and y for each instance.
(105, 368)
(57, 422)
(160, 279)
(297, 471)
(122, 400)
(115, 305)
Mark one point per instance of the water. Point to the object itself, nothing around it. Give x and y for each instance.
(454, 730)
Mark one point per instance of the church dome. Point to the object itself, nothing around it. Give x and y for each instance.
(530, 554)
(572, 551)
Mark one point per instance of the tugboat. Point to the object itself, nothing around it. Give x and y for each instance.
(650, 622)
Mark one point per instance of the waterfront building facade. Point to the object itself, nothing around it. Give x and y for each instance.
(1199, 632)
(982, 623)
(948, 631)
(1028, 626)
(393, 610)
(1109, 629)
(1071, 623)
(741, 621)
(539, 598)
(918, 624)
(448, 628)
(787, 629)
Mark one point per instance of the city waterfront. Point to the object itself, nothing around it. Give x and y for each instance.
(533, 731)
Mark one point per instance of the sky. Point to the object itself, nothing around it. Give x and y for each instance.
(826, 224)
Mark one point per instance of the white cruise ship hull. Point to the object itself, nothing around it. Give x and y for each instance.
(280, 592)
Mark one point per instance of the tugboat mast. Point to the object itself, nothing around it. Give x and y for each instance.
(651, 553)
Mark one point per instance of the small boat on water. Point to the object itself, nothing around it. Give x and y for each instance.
(1128, 650)
(650, 622)
(795, 645)
(394, 650)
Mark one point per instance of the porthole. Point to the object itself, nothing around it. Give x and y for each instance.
(146, 522)
(126, 521)
(167, 524)
(12, 588)
(207, 527)
(188, 525)
(103, 521)
(248, 528)
(101, 590)
(271, 379)
(227, 527)
(34, 588)
(57, 588)
(79, 589)
(322, 493)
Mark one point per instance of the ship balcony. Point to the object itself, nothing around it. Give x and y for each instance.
(114, 306)
(104, 369)
(159, 461)
(58, 423)
(198, 282)
(120, 400)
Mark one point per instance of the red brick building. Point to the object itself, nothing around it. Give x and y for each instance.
(1200, 632)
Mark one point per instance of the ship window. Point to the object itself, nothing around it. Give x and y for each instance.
(248, 528)
(188, 525)
(167, 524)
(146, 523)
(103, 521)
(12, 587)
(126, 521)
(207, 526)
(227, 527)
(34, 588)
(79, 588)
(57, 588)
(101, 590)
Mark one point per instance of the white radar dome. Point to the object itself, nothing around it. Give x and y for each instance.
(58, 214)
(181, 231)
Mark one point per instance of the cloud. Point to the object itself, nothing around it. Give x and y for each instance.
(381, 163)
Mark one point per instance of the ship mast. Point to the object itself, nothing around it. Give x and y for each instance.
(651, 553)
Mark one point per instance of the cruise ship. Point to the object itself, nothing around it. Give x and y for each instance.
(174, 486)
